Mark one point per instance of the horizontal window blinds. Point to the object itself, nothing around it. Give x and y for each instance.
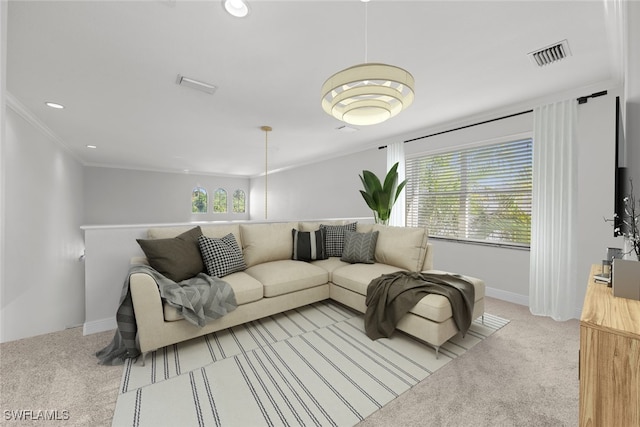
(481, 194)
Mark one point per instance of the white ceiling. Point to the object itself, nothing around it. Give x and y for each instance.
(114, 66)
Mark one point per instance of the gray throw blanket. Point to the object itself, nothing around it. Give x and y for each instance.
(391, 296)
(199, 299)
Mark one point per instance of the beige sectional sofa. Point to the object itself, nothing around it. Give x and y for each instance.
(273, 282)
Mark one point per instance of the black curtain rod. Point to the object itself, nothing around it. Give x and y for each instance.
(584, 99)
(464, 127)
(581, 100)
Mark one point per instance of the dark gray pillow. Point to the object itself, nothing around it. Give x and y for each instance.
(359, 247)
(308, 245)
(334, 238)
(177, 258)
(221, 256)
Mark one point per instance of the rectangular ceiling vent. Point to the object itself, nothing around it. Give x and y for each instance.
(195, 84)
(550, 54)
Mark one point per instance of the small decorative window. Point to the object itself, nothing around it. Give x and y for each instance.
(238, 201)
(220, 201)
(199, 200)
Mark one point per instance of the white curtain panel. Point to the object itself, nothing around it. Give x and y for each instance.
(395, 154)
(552, 285)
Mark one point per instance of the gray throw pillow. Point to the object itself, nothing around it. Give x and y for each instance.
(177, 258)
(221, 256)
(334, 237)
(359, 247)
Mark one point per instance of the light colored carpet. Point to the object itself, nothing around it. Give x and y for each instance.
(525, 374)
(310, 366)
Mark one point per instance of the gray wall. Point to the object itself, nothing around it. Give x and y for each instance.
(329, 189)
(122, 196)
(43, 288)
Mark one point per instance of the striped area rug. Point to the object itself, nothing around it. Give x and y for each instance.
(311, 366)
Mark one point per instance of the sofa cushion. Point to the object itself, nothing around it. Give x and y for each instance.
(221, 257)
(356, 278)
(285, 276)
(167, 232)
(334, 241)
(308, 245)
(359, 247)
(315, 225)
(403, 247)
(478, 284)
(176, 258)
(329, 265)
(266, 242)
(364, 228)
(246, 289)
(221, 230)
(217, 230)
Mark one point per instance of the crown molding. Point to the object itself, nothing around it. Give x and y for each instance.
(33, 120)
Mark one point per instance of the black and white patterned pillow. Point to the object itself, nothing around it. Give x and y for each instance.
(221, 257)
(308, 245)
(359, 247)
(334, 238)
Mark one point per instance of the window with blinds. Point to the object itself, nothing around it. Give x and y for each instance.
(481, 194)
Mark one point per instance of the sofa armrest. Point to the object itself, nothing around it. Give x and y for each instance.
(147, 306)
(139, 260)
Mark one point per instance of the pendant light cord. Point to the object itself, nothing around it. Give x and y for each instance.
(366, 32)
(266, 130)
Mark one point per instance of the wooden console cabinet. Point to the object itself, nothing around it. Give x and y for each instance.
(609, 358)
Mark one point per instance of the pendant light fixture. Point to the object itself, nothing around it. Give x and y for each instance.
(369, 93)
(266, 130)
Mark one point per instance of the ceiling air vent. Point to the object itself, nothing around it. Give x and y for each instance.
(550, 54)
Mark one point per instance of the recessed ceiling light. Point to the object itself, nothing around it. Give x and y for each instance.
(92, 146)
(54, 105)
(237, 8)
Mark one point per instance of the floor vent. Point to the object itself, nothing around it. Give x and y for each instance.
(550, 54)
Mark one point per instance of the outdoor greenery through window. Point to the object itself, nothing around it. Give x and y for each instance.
(481, 194)
(220, 201)
(199, 200)
(238, 201)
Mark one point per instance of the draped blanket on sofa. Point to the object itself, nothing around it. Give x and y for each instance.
(391, 296)
(200, 299)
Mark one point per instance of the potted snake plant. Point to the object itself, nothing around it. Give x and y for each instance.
(380, 197)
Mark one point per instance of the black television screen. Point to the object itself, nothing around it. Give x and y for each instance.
(621, 176)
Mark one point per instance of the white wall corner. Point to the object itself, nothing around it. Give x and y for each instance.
(507, 296)
(17, 106)
(101, 325)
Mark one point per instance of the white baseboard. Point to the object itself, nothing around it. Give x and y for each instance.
(518, 299)
(99, 326)
(507, 296)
